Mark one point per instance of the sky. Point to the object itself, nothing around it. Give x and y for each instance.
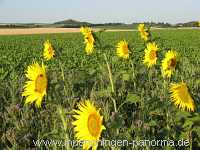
(99, 11)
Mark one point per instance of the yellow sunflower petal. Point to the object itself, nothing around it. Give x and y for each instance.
(169, 63)
(144, 33)
(88, 124)
(89, 39)
(35, 87)
(150, 57)
(49, 51)
(123, 49)
(181, 97)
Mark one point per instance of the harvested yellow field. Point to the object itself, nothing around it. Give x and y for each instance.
(26, 31)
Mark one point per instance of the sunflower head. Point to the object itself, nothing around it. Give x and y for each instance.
(85, 30)
(150, 57)
(123, 49)
(88, 124)
(35, 87)
(144, 35)
(169, 63)
(181, 97)
(141, 27)
(49, 51)
(89, 39)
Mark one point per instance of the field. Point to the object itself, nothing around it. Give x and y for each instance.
(29, 31)
(25, 31)
(134, 100)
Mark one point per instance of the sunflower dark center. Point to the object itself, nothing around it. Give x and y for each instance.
(90, 38)
(152, 55)
(94, 124)
(183, 94)
(40, 83)
(172, 63)
(50, 50)
(125, 49)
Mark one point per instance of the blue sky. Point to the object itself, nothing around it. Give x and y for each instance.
(99, 11)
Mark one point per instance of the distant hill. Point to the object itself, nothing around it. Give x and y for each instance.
(72, 23)
(188, 24)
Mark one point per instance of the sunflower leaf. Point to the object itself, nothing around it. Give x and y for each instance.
(152, 123)
(116, 120)
(132, 98)
(126, 77)
(188, 124)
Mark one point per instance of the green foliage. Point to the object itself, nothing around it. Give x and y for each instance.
(140, 95)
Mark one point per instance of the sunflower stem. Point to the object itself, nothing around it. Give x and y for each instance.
(167, 109)
(190, 139)
(110, 74)
(64, 122)
(63, 76)
(133, 73)
(111, 82)
(112, 86)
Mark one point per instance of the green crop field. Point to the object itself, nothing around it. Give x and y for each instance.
(134, 100)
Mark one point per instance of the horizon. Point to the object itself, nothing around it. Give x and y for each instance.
(94, 11)
(94, 23)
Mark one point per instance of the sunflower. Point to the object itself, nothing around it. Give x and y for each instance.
(181, 97)
(141, 27)
(48, 50)
(35, 87)
(150, 57)
(85, 30)
(89, 39)
(144, 33)
(88, 125)
(169, 64)
(122, 49)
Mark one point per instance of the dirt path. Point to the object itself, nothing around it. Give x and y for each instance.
(26, 31)
(36, 31)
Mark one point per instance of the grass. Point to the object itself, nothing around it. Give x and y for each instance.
(142, 111)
